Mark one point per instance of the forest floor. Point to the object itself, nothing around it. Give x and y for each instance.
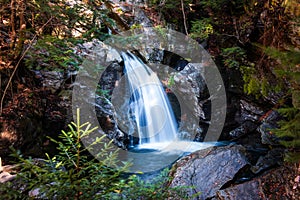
(282, 183)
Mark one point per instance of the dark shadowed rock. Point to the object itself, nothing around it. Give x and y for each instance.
(248, 117)
(273, 158)
(208, 170)
(274, 184)
(265, 129)
(245, 128)
(106, 117)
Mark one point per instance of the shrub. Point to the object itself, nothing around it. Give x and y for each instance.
(201, 29)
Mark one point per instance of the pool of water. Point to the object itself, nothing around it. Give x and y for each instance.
(156, 156)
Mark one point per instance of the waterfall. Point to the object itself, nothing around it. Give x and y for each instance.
(149, 111)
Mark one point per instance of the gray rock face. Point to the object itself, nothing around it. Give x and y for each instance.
(5, 176)
(208, 170)
(188, 87)
(249, 190)
(189, 84)
(142, 19)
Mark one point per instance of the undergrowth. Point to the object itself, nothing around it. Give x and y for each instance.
(74, 174)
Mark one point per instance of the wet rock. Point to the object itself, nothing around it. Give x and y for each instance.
(87, 48)
(248, 119)
(154, 55)
(109, 79)
(208, 170)
(191, 77)
(107, 120)
(265, 129)
(250, 112)
(274, 97)
(173, 60)
(98, 52)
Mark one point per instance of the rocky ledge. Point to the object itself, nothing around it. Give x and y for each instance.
(226, 173)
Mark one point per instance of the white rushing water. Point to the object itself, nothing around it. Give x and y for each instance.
(150, 112)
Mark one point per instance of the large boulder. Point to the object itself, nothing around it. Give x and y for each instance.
(209, 170)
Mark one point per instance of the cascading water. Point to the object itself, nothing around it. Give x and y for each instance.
(145, 114)
(150, 114)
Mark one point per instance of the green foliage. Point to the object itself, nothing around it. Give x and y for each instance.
(162, 32)
(154, 189)
(288, 69)
(290, 129)
(252, 86)
(73, 19)
(52, 53)
(287, 58)
(259, 85)
(234, 57)
(171, 81)
(136, 26)
(103, 93)
(73, 173)
(51, 29)
(74, 23)
(201, 29)
(289, 61)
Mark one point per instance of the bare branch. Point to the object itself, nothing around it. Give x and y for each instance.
(184, 18)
